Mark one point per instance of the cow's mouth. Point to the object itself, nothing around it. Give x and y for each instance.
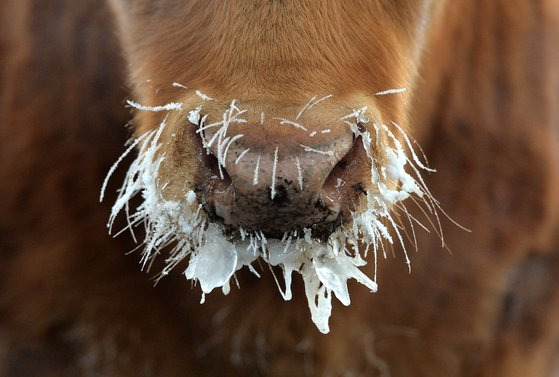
(217, 232)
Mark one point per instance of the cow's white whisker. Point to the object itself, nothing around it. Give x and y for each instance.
(311, 104)
(168, 107)
(256, 168)
(390, 91)
(274, 167)
(241, 155)
(291, 123)
(203, 96)
(313, 150)
(233, 139)
(299, 173)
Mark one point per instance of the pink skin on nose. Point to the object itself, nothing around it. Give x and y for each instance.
(277, 185)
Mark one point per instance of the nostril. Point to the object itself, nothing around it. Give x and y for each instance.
(320, 204)
(211, 164)
(342, 164)
(359, 188)
(214, 180)
(345, 168)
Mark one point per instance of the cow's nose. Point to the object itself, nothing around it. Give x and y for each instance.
(281, 184)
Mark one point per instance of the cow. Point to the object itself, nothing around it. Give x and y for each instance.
(392, 166)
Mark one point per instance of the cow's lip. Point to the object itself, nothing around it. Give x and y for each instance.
(221, 204)
(273, 221)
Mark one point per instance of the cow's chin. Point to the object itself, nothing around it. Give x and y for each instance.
(180, 230)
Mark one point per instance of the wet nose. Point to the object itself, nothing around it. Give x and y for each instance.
(280, 184)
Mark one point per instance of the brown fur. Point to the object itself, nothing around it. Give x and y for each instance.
(484, 107)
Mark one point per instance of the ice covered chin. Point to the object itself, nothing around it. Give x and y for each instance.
(180, 230)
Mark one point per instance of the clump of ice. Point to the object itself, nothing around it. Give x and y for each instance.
(179, 229)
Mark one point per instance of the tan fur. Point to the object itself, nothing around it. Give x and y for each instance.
(482, 101)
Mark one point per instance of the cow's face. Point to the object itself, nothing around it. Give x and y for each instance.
(275, 55)
(301, 137)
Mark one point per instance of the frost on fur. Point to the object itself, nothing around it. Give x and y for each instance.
(179, 231)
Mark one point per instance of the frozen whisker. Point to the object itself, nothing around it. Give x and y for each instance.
(203, 96)
(129, 222)
(230, 116)
(326, 131)
(253, 270)
(168, 107)
(414, 142)
(434, 204)
(412, 218)
(220, 159)
(431, 203)
(412, 239)
(201, 129)
(288, 122)
(311, 104)
(274, 167)
(118, 161)
(390, 91)
(402, 243)
(437, 229)
(312, 134)
(177, 85)
(262, 118)
(283, 294)
(309, 149)
(299, 173)
(355, 114)
(256, 168)
(414, 156)
(241, 155)
(218, 135)
(233, 139)
(130, 226)
(305, 108)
